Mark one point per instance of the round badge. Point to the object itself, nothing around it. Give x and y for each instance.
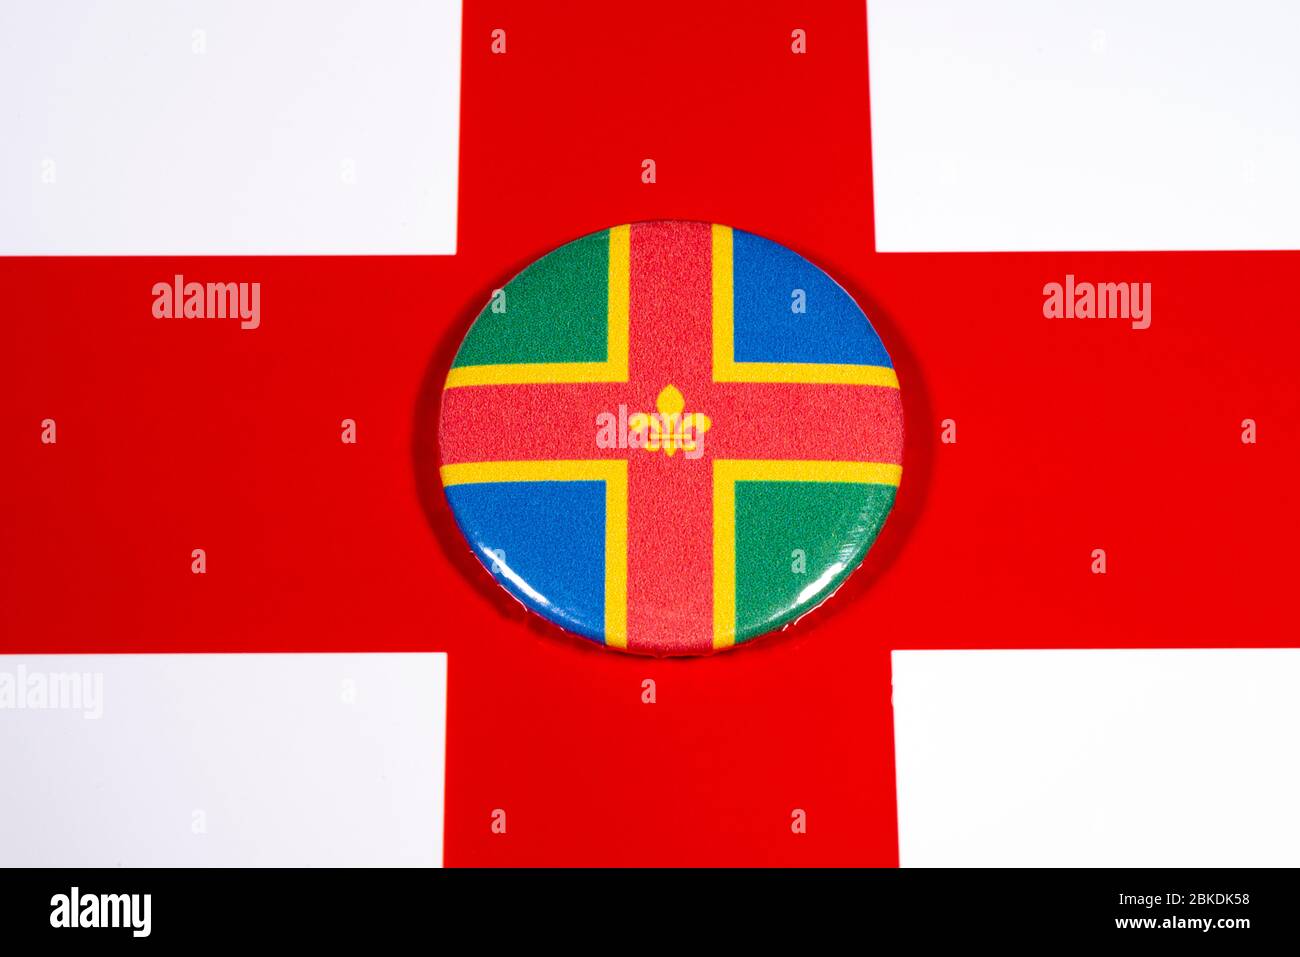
(671, 437)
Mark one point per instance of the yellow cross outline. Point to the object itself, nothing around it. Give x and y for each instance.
(726, 473)
(727, 369)
(613, 472)
(614, 369)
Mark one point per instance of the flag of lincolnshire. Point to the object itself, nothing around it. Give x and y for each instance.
(671, 437)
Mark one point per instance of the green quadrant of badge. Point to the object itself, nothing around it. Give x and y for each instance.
(556, 310)
(724, 329)
(797, 537)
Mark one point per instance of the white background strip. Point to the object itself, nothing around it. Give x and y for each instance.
(290, 127)
(1166, 758)
(223, 760)
(1108, 125)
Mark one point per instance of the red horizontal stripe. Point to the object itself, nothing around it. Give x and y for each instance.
(749, 421)
(503, 423)
(827, 422)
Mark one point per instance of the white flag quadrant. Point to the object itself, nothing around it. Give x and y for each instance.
(229, 127)
(177, 760)
(1097, 758)
(1017, 125)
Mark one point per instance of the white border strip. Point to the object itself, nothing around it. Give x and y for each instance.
(222, 760)
(229, 127)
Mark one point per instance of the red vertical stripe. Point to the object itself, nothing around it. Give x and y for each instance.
(670, 500)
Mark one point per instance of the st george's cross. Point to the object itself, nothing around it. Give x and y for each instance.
(671, 437)
(1075, 433)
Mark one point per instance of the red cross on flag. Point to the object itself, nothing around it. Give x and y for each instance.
(244, 614)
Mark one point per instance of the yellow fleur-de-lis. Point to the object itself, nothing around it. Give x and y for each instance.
(670, 428)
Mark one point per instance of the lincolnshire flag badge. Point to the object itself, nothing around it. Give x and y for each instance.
(671, 437)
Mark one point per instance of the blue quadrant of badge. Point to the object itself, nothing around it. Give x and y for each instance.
(831, 329)
(544, 542)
